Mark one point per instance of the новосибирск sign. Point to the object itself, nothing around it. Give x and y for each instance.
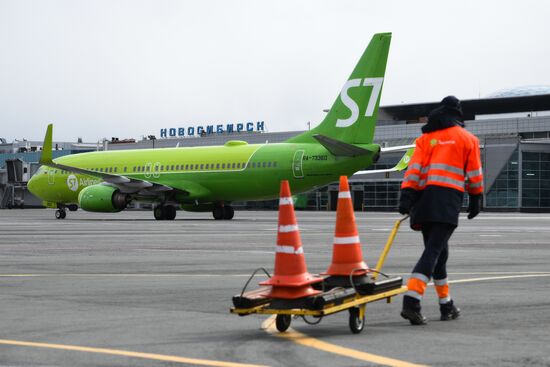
(174, 132)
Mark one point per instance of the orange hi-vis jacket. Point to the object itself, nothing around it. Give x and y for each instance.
(448, 158)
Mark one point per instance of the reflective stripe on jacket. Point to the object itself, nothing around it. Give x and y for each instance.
(449, 158)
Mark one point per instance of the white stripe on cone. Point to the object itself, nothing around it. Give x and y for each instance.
(289, 250)
(346, 240)
(288, 228)
(285, 201)
(344, 195)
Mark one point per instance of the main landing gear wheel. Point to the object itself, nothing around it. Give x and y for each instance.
(218, 213)
(164, 212)
(60, 214)
(228, 212)
(282, 322)
(223, 212)
(356, 319)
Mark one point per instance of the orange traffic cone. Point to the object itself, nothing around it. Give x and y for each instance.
(291, 279)
(346, 251)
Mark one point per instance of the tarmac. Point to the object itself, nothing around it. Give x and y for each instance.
(125, 290)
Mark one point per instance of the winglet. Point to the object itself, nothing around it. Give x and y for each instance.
(404, 162)
(46, 156)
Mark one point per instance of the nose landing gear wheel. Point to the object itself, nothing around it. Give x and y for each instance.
(60, 214)
(356, 319)
(283, 322)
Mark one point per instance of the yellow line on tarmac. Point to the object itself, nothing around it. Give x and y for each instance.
(125, 353)
(302, 339)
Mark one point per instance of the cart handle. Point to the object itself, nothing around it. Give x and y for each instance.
(389, 242)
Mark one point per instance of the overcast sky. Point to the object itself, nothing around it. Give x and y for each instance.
(129, 68)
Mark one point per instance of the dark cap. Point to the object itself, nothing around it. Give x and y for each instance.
(452, 103)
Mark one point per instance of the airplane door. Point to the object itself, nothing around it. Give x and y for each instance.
(51, 176)
(297, 164)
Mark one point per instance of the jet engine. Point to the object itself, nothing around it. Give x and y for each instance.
(102, 198)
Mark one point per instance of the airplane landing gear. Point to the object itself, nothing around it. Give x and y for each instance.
(164, 212)
(223, 212)
(60, 213)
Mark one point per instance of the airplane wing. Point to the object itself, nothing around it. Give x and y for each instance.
(400, 166)
(126, 185)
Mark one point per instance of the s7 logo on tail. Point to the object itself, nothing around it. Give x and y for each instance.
(375, 83)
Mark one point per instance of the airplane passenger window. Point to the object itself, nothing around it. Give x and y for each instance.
(243, 165)
(263, 164)
(125, 169)
(274, 164)
(202, 166)
(134, 169)
(207, 165)
(217, 166)
(186, 167)
(269, 164)
(233, 165)
(101, 170)
(172, 167)
(238, 165)
(196, 166)
(223, 165)
(110, 169)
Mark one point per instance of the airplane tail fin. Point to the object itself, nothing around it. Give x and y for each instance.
(352, 117)
(46, 156)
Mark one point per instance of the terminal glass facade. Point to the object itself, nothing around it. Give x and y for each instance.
(535, 180)
(504, 192)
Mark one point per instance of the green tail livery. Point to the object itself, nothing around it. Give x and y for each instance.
(210, 178)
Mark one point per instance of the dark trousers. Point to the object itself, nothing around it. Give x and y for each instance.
(433, 262)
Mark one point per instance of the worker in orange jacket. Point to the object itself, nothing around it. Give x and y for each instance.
(446, 163)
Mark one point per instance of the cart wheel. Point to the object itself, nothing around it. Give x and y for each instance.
(283, 322)
(356, 322)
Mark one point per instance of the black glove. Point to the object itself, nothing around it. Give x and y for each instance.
(407, 200)
(474, 205)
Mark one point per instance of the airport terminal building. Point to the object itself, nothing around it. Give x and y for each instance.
(513, 128)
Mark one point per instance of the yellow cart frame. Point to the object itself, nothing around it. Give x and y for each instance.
(355, 304)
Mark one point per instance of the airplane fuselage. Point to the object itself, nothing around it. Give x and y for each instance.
(234, 171)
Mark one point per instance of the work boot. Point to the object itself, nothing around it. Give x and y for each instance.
(411, 311)
(449, 311)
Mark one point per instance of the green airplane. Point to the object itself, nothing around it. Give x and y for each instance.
(210, 178)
